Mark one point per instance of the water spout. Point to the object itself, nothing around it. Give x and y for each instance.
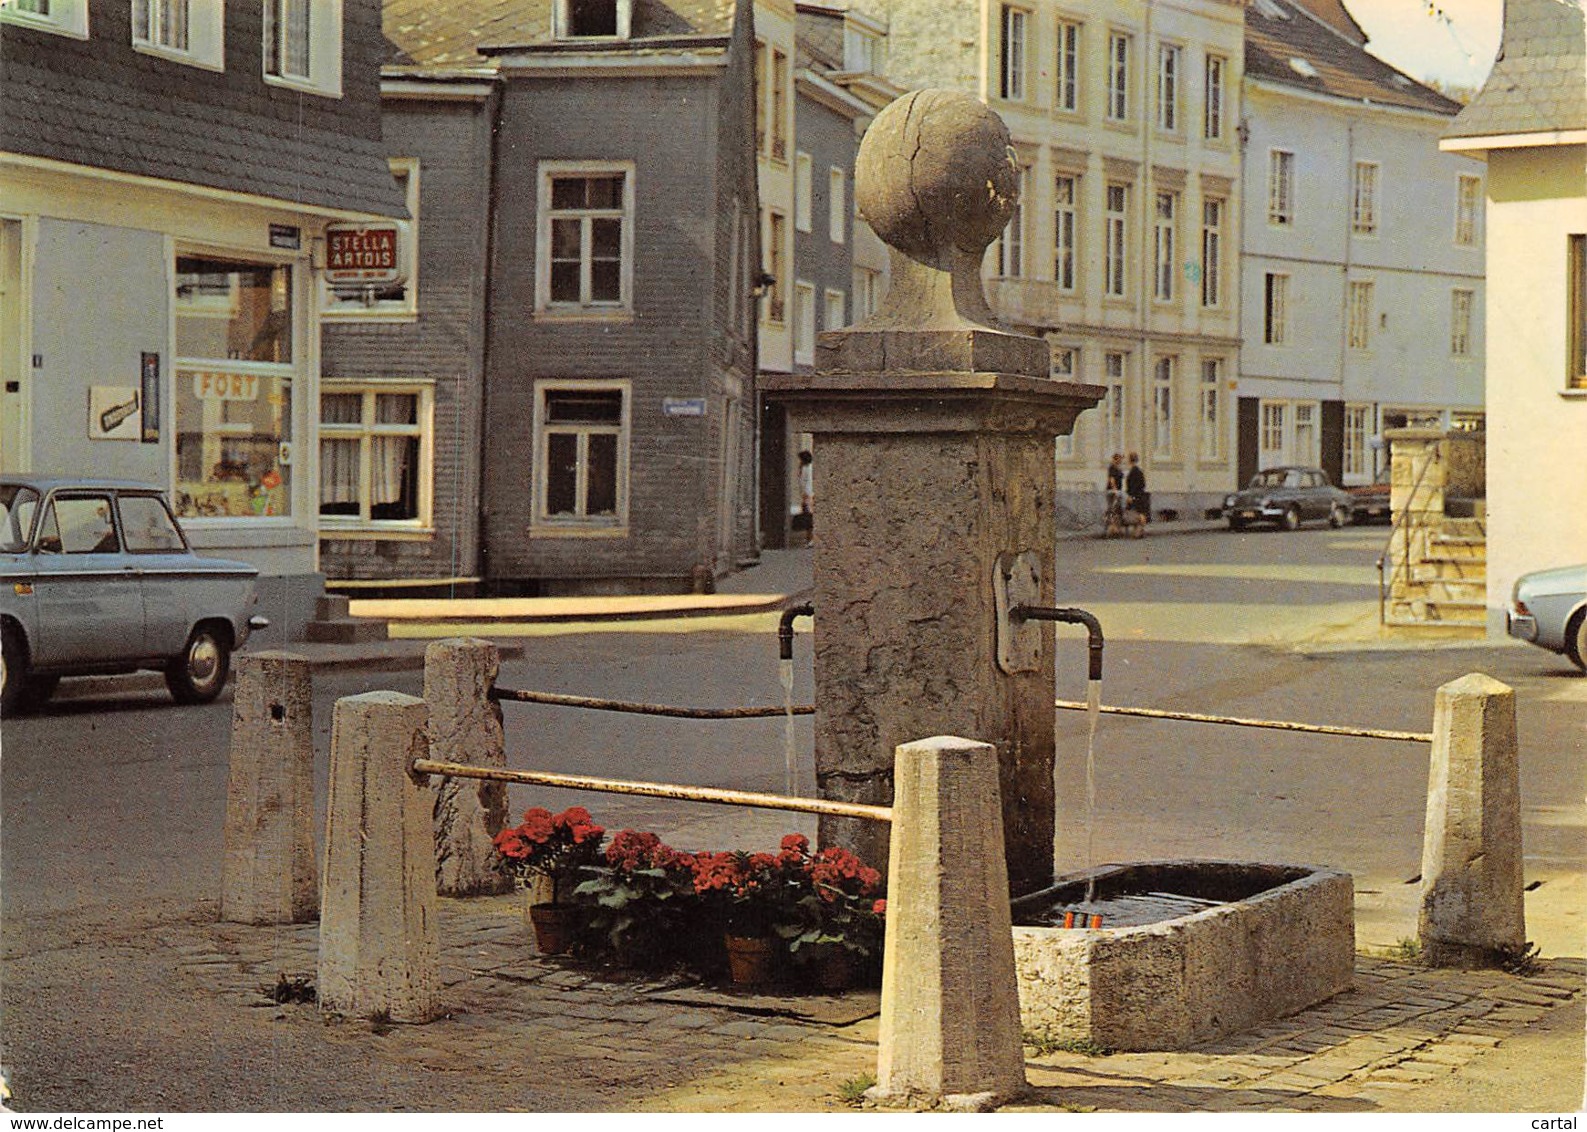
(1068, 617)
(785, 629)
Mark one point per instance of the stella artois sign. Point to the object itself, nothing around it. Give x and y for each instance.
(363, 253)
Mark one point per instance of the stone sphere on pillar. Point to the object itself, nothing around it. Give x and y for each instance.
(936, 174)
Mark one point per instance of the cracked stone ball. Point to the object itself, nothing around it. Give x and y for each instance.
(936, 172)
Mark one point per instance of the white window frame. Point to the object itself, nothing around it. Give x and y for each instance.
(1011, 245)
(1212, 93)
(801, 190)
(781, 104)
(1170, 60)
(1114, 364)
(582, 525)
(1211, 407)
(191, 32)
(364, 306)
(1118, 100)
(66, 17)
(1066, 231)
(1275, 308)
(867, 291)
(834, 309)
(774, 310)
(1014, 45)
(1468, 210)
(324, 45)
(1163, 375)
(1067, 67)
(804, 322)
(1213, 210)
(584, 307)
(1116, 241)
(1281, 188)
(864, 48)
(1358, 432)
(1272, 425)
(365, 431)
(1304, 420)
(1065, 367)
(1165, 217)
(1358, 334)
(837, 204)
(1462, 301)
(1364, 199)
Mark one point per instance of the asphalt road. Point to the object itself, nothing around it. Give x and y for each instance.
(118, 801)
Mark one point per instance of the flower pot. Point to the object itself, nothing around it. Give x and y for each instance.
(834, 971)
(750, 960)
(555, 926)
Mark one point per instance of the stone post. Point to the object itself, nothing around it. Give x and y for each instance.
(933, 430)
(1472, 905)
(268, 873)
(465, 727)
(950, 1027)
(379, 947)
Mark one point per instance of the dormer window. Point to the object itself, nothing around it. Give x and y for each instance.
(593, 19)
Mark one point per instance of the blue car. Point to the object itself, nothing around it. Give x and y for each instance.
(1287, 497)
(1548, 608)
(96, 577)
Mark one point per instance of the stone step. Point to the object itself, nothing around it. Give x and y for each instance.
(345, 631)
(1441, 551)
(1465, 570)
(1464, 527)
(331, 607)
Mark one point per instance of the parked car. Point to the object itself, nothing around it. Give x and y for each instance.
(96, 576)
(1287, 497)
(1549, 609)
(1370, 501)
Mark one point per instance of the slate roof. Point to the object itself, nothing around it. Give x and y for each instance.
(1539, 80)
(425, 33)
(1341, 67)
(818, 38)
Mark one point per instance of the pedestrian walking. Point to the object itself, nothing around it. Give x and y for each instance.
(1139, 499)
(804, 518)
(1113, 515)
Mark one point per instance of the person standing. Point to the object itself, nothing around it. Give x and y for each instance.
(804, 520)
(1140, 500)
(1113, 517)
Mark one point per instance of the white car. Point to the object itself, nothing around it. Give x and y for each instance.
(1548, 608)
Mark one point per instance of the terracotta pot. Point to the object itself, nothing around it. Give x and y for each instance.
(555, 926)
(750, 960)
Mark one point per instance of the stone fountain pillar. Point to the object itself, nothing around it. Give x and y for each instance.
(934, 431)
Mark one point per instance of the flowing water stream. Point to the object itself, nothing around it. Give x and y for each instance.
(785, 674)
(1093, 713)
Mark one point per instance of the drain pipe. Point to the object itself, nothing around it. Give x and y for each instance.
(1069, 617)
(785, 629)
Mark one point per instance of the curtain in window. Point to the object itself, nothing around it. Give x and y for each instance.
(388, 456)
(338, 472)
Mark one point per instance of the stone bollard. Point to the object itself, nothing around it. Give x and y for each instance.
(1472, 904)
(950, 1028)
(268, 872)
(465, 727)
(379, 947)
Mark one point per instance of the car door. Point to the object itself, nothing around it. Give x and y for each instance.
(163, 566)
(90, 607)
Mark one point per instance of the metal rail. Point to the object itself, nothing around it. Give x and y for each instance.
(1272, 724)
(657, 790)
(518, 695)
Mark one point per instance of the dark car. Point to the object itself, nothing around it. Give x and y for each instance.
(97, 577)
(1548, 608)
(1287, 497)
(1369, 501)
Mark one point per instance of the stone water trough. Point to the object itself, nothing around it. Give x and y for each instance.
(1187, 950)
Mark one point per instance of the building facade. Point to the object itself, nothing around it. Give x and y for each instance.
(1362, 264)
(1530, 121)
(1123, 253)
(168, 176)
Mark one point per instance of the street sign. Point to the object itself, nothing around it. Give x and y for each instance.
(683, 406)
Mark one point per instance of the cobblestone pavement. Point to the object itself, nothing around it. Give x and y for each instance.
(609, 1043)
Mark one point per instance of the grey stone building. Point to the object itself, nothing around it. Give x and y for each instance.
(592, 345)
(168, 176)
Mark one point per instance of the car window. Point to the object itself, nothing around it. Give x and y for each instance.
(1293, 479)
(18, 505)
(146, 525)
(1268, 479)
(78, 525)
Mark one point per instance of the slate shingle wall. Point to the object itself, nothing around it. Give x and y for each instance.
(98, 102)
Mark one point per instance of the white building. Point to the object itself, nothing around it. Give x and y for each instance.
(1362, 265)
(1531, 122)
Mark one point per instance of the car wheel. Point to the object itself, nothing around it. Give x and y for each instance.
(198, 675)
(1237, 524)
(1291, 519)
(39, 689)
(13, 673)
(1338, 516)
(1576, 641)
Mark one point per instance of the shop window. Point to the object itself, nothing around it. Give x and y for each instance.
(233, 388)
(375, 455)
(581, 434)
(303, 44)
(585, 230)
(182, 30)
